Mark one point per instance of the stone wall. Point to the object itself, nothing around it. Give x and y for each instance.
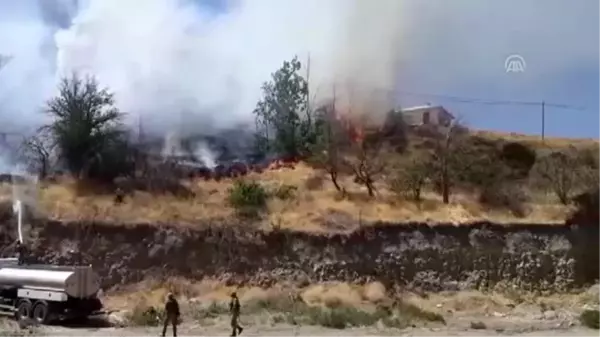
(430, 258)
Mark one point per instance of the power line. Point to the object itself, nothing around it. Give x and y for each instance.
(495, 102)
(472, 100)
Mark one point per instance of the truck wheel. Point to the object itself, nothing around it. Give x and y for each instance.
(40, 312)
(23, 310)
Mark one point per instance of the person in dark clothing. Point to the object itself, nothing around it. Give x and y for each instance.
(21, 251)
(234, 309)
(119, 196)
(172, 314)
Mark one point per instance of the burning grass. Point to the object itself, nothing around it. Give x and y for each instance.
(310, 202)
(301, 198)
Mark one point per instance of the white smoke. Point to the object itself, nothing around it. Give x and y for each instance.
(185, 68)
(172, 145)
(205, 155)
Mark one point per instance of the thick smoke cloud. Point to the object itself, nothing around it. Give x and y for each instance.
(182, 66)
(191, 66)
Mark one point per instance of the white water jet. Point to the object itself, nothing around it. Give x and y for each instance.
(18, 208)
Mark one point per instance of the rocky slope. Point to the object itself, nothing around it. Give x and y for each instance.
(415, 255)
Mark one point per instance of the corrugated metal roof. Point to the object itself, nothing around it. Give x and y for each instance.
(421, 108)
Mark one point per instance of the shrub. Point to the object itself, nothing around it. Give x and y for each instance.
(249, 198)
(560, 172)
(586, 211)
(505, 196)
(590, 319)
(519, 157)
(336, 315)
(213, 310)
(285, 192)
(143, 315)
(478, 325)
(411, 178)
(314, 182)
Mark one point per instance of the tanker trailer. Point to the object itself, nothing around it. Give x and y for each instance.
(47, 292)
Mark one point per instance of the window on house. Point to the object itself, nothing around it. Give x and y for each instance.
(426, 117)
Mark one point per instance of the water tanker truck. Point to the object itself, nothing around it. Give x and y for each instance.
(44, 293)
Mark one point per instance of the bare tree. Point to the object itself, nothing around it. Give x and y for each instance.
(366, 160)
(446, 159)
(564, 172)
(331, 142)
(36, 151)
(411, 176)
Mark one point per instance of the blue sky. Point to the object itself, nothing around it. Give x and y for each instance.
(464, 55)
(449, 48)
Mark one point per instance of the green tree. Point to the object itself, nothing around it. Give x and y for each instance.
(284, 121)
(87, 129)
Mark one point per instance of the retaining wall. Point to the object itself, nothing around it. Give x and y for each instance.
(432, 258)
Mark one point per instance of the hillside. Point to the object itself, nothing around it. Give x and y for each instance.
(313, 204)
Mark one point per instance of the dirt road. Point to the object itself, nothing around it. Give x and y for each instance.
(289, 331)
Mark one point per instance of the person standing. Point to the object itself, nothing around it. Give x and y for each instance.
(234, 309)
(172, 314)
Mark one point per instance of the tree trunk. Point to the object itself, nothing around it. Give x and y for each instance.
(370, 187)
(43, 170)
(333, 176)
(445, 187)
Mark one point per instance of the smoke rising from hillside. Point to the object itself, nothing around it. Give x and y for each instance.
(182, 66)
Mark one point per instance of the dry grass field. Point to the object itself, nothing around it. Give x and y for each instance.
(308, 210)
(315, 205)
(348, 307)
(537, 142)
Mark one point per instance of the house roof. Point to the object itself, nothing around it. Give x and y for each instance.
(423, 108)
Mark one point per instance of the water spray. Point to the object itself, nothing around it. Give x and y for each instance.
(18, 208)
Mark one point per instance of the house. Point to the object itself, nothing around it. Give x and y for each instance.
(427, 115)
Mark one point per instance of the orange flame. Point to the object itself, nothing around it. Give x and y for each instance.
(355, 132)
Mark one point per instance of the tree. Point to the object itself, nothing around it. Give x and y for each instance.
(284, 121)
(87, 129)
(411, 176)
(36, 151)
(366, 160)
(446, 163)
(331, 141)
(559, 172)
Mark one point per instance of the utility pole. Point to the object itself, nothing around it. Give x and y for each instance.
(308, 82)
(543, 120)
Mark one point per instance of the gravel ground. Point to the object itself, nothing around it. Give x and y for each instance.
(283, 331)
